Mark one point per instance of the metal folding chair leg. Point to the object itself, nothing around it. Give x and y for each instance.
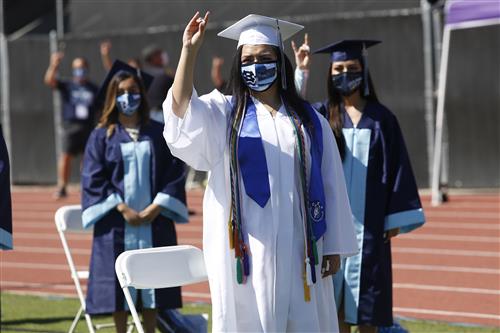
(133, 311)
(76, 320)
(89, 323)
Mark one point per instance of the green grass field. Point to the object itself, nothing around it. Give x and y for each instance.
(55, 314)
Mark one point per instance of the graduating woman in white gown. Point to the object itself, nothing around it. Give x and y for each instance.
(276, 213)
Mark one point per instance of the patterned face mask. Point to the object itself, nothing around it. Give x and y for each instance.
(128, 103)
(348, 82)
(259, 76)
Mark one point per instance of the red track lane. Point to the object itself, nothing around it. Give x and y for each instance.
(449, 270)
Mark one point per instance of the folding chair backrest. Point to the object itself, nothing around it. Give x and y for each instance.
(161, 267)
(69, 218)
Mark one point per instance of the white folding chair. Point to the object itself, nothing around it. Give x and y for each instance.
(159, 267)
(69, 219)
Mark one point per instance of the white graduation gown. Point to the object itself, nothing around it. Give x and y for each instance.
(272, 299)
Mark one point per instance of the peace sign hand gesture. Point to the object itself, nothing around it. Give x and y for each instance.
(194, 32)
(302, 54)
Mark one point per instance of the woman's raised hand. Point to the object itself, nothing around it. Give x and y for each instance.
(194, 32)
(182, 87)
(302, 54)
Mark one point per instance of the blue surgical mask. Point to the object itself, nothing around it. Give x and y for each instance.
(128, 103)
(347, 83)
(80, 73)
(259, 76)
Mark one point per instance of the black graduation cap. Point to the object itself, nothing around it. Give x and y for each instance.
(117, 67)
(349, 49)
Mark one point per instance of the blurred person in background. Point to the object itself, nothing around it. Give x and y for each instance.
(380, 181)
(5, 199)
(78, 113)
(105, 50)
(132, 192)
(216, 74)
(155, 63)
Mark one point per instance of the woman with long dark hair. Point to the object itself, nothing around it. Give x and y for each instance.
(380, 182)
(276, 213)
(132, 192)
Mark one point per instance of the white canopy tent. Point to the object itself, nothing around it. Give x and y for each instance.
(460, 14)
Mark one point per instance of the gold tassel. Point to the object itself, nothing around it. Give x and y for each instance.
(230, 234)
(307, 290)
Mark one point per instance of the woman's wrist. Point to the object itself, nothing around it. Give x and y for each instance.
(189, 52)
(121, 207)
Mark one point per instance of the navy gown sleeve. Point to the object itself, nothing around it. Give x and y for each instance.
(5, 199)
(99, 197)
(404, 209)
(171, 180)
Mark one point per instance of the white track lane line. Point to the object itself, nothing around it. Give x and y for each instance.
(470, 215)
(440, 268)
(446, 289)
(465, 204)
(50, 267)
(49, 250)
(53, 236)
(452, 238)
(461, 225)
(446, 252)
(395, 249)
(196, 295)
(16, 284)
(85, 236)
(431, 268)
(31, 285)
(447, 313)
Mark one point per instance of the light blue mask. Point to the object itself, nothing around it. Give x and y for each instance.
(80, 73)
(259, 76)
(128, 103)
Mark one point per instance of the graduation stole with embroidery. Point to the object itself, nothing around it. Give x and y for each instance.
(248, 159)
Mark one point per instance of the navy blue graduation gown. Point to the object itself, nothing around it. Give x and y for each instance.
(5, 200)
(383, 195)
(116, 169)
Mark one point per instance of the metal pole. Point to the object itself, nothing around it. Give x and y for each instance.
(438, 24)
(429, 82)
(60, 18)
(443, 71)
(56, 100)
(5, 85)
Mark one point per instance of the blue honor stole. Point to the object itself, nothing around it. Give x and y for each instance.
(253, 166)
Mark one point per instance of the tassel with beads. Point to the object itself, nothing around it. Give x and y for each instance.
(239, 271)
(308, 273)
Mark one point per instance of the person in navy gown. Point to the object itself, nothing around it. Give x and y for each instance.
(132, 192)
(380, 182)
(5, 200)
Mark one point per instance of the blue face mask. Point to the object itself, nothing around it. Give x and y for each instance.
(347, 83)
(259, 76)
(128, 103)
(80, 73)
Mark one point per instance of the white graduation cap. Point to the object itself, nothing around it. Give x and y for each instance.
(257, 29)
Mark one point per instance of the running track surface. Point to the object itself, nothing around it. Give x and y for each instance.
(449, 270)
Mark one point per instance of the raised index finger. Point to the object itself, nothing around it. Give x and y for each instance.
(306, 39)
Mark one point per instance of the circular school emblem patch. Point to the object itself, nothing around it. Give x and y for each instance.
(317, 211)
